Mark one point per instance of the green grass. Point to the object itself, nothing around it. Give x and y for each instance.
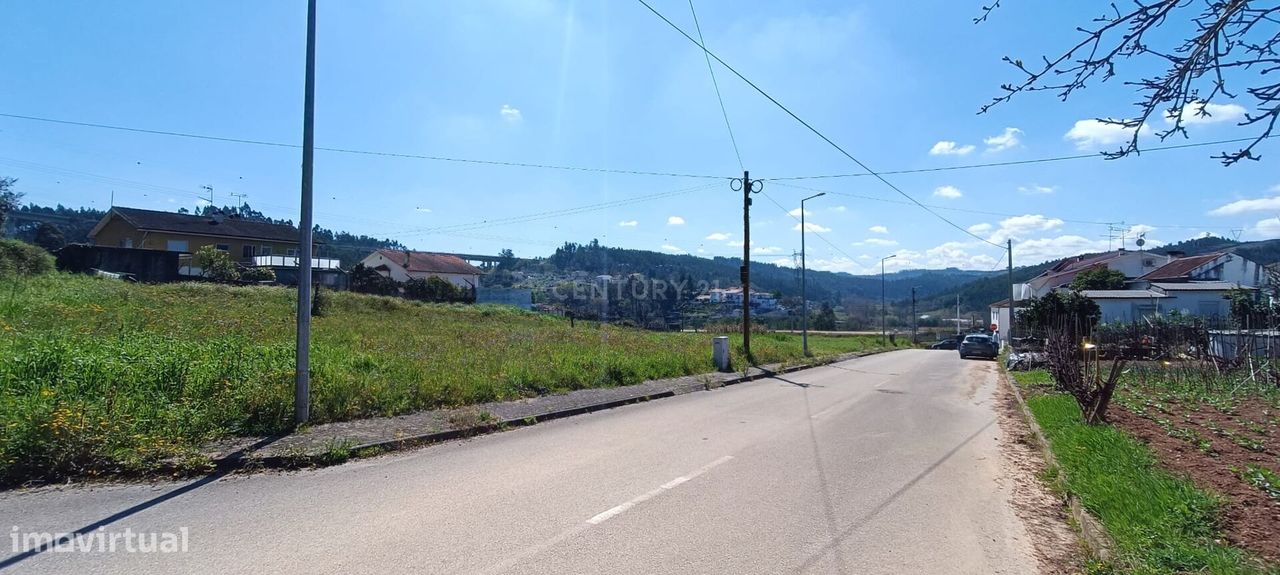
(1161, 523)
(100, 376)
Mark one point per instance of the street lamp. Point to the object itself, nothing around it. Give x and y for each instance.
(804, 295)
(883, 331)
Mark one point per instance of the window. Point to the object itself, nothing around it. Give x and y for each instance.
(246, 252)
(126, 243)
(292, 252)
(176, 245)
(1149, 263)
(223, 247)
(264, 251)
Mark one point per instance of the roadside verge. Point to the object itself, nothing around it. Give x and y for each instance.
(333, 443)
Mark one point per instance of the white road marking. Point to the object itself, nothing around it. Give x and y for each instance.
(538, 548)
(619, 509)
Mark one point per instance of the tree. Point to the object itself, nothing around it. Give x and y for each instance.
(49, 237)
(508, 259)
(1226, 43)
(1067, 308)
(1098, 278)
(9, 200)
(216, 264)
(826, 318)
(364, 279)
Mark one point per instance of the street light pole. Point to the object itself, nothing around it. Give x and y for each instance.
(883, 314)
(804, 294)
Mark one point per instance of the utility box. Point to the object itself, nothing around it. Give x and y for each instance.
(720, 353)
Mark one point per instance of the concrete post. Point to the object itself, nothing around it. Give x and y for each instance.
(720, 353)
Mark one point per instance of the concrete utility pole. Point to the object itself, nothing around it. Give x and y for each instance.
(884, 337)
(748, 187)
(914, 318)
(302, 375)
(804, 294)
(957, 314)
(1008, 335)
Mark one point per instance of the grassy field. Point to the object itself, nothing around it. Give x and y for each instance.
(1161, 522)
(100, 376)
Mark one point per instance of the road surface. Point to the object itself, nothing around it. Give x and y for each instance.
(884, 464)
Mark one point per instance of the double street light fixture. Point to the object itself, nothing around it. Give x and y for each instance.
(804, 295)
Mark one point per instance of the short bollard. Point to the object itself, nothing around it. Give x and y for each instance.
(720, 353)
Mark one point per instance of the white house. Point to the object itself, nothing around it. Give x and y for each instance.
(1131, 264)
(733, 297)
(403, 265)
(1126, 305)
(1219, 267)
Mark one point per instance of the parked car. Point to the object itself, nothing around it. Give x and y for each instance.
(978, 345)
(949, 343)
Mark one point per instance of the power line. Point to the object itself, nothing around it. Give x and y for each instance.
(1018, 162)
(981, 212)
(364, 152)
(812, 129)
(552, 213)
(716, 84)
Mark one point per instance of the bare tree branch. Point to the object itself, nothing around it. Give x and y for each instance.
(1234, 41)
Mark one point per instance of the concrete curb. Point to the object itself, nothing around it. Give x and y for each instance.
(1097, 541)
(246, 460)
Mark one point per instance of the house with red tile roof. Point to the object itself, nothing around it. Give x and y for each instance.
(404, 265)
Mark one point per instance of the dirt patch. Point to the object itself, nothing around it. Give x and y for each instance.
(1057, 547)
(1211, 447)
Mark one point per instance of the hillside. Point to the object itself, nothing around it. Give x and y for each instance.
(595, 259)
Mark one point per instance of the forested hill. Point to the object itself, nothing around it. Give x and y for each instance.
(596, 259)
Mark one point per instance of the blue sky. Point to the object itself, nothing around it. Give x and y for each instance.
(606, 84)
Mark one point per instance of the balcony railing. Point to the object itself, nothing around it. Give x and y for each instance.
(290, 262)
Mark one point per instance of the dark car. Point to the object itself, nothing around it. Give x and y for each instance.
(978, 345)
(949, 343)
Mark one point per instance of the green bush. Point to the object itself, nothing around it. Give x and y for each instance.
(23, 259)
(258, 275)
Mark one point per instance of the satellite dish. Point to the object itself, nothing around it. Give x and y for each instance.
(1142, 239)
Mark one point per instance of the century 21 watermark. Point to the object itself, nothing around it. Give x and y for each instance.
(100, 541)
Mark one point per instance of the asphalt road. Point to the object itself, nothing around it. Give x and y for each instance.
(884, 464)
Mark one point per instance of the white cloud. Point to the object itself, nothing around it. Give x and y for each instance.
(839, 209)
(836, 264)
(423, 210)
(1242, 206)
(864, 257)
(767, 250)
(1037, 189)
(948, 148)
(1139, 229)
(949, 192)
(628, 224)
(878, 230)
(1019, 227)
(796, 213)
(673, 249)
(718, 237)
(1095, 134)
(880, 242)
(1212, 113)
(736, 243)
(1005, 140)
(1268, 228)
(675, 221)
(980, 228)
(812, 227)
(511, 115)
